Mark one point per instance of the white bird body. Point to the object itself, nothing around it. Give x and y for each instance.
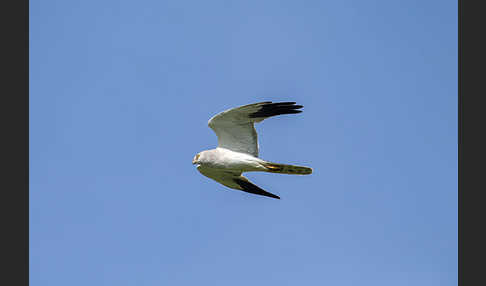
(225, 159)
(237, 150)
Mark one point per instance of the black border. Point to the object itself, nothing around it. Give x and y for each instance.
(471, 143)
(15, 138)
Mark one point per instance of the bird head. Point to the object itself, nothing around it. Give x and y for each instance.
(196, 159)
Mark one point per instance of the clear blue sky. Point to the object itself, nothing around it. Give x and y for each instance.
(120, 96)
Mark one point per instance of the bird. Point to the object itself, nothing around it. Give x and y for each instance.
(237, 150)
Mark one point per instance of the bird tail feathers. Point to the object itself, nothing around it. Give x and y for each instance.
(287, 169)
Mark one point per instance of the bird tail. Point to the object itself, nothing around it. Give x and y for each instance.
(287, 169)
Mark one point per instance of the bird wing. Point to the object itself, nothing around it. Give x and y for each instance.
(234, 180)
(249, 187)
(235, 127)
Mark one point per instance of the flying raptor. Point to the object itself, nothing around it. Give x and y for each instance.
(237, 150)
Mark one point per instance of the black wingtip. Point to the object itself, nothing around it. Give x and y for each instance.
(253, 189)
(278, 108)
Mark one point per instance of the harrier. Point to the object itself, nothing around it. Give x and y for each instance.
(237, 150)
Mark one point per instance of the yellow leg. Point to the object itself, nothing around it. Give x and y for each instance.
(273, 168)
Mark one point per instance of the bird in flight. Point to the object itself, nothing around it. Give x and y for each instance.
(237, 150)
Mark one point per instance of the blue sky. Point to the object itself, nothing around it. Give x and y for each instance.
(120, 96)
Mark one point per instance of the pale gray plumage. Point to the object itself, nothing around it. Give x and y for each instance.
(237, 150)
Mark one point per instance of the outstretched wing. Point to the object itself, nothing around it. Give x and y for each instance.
(249, 187)
(234, 180)
(235, 127)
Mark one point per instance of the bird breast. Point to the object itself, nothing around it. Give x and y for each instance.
(222, 158)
